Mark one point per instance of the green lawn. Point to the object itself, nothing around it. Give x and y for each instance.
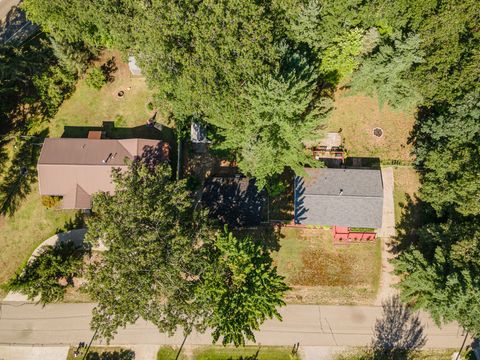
(356, 117)
(407, 183)
(322, 273)
(245, 353)
(23, 232)
(170, 353)
(102, 352)
(90, 107)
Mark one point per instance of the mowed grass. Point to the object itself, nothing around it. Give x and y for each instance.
(356, 117)
(407, 183)
(23, 232)
(242, 353)
(170, 353)
(90, 107)
(322, 273)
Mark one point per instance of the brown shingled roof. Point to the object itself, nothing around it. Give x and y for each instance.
(78, 168)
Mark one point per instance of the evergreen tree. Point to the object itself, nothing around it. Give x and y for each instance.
(278, 113)
(441, 273)
(450, 44)
(385, 73)
(448, 148)
(50, 273)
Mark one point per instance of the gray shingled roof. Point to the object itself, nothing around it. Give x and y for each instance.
(341, 197)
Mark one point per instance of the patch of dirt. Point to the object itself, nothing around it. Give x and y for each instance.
(355, 117)
(322, 267)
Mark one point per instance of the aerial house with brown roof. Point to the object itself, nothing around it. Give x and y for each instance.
(75, 169)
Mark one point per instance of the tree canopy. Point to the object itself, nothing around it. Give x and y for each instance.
(244, 288)
(441, 273)
(165, 264)
(154, 255)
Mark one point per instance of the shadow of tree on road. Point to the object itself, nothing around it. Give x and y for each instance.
(399, 332)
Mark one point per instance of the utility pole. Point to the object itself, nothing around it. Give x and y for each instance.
(89, 344)
(461, 348)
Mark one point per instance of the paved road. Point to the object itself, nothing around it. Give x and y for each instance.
(308, 324)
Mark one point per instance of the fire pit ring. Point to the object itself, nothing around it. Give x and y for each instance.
(121, 93)
(378, 132)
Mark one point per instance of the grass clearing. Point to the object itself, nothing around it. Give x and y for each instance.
(407, 183)
(242, 353)
(320, 272)
(102, 352)
(170, 353)
(356, 117)
(90, 107)
(23, 232)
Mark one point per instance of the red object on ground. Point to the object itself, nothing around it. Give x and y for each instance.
(343, 234)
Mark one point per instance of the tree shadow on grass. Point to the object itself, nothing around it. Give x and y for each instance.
(415, 214)
(398, 333)
(78, 222)
(21, 174)
(112, 355)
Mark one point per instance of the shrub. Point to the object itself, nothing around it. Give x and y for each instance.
(50, 273)
(96, 78)
(51, 201)
(150, 106)
(277, 188)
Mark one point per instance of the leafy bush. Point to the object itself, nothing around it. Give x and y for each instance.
(51, 201)
(96, 78)
(277, 188)
(50, 273)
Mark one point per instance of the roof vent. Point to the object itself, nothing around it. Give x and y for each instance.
(341, 192)
(108, 158)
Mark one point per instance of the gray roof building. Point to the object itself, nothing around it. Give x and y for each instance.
(339, 197)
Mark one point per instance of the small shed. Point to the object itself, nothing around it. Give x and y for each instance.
(198, 134)
(198, 137)
(132, 65)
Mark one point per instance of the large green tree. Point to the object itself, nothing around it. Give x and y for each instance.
(196, 54)
(164, 263)
(450, 42)
(448, 149)
(153, 256)
(244, 287)
(277, 113)
(441, 272)
(385, 73)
